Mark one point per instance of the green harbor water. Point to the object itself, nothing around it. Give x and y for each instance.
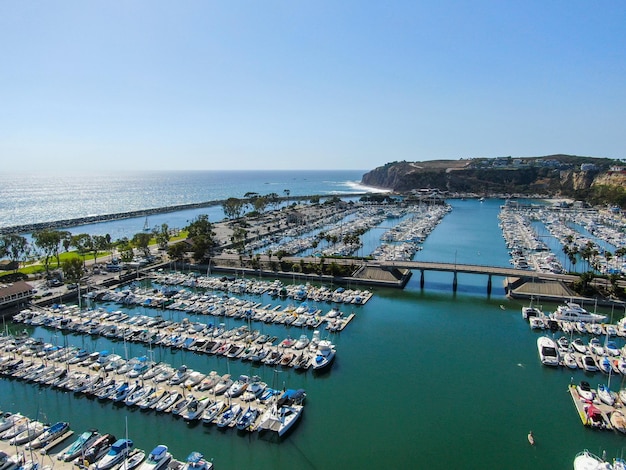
(423, 379)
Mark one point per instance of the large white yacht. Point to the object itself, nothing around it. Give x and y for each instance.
(574, 312)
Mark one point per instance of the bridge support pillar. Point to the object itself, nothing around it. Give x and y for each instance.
(489, 285)
(454, 282)
(421, 279)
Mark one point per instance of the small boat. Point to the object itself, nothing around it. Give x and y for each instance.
(78, 446)
(196, 461)
(33, 430)
(168, 401)
(223, 385)
(157, 459)
(618, 421)
(195, 409)
(570, 360)
(548, 351)
(229, 415)
(9, 419)
(116, 454)
(133, 459)
(589, 363)
(180, 376)
(531, 438)
(579, 346)
(587, 461)
(212, 411)
(238, 387)
(606, 395)
(585, 392)
(50, 434)
(280, 418)
(98, 448)
(247, 419)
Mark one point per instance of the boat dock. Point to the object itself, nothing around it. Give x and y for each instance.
(93, 381)
(594, 414)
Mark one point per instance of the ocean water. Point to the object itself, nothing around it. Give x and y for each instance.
(424, 378)
(26, 199)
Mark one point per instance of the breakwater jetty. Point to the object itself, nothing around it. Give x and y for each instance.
(92, 219)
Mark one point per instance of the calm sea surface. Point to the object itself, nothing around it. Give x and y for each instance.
(423, 379)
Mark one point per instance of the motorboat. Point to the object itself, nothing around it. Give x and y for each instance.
(212, 411)
(574, 312)
(618, 421)
(181, 405)
(98, 448)
(193, 379)
(33, 430)
(116, 454)
(19, 427)
(123, 391)
(9, 419)
(195, 409)
(75, 449)
(569, 359)
(611, 348)
(50, 434)
(587, 461)
(196, 461)
(247, 419)
(180, 376)
(589, 363)
(255, 389)
(605, 364)
(323, 356)
(585, 392)
(223, 385)
(139, 394)
(168, 401)
(548, 351)
(238, 387)
(157, 459)
(606, 395)
(208, 382)
(579, 346)
(595, 347)
(229, 415)
(152, 399)
(165, 374)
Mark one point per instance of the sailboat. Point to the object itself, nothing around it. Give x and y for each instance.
(146, 226)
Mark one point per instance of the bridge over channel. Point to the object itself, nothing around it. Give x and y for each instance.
(455, 268)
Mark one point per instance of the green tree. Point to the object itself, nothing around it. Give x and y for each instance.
(162, 236)
(141, 241)
(100, 243)
(202, 237)
(49, 241)
(83, 244)
(72, 269)
(15, 247)
(233, 207)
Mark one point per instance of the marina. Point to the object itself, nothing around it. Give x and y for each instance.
(431, 326)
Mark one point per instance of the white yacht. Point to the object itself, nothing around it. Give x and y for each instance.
(588, 461)
(323, 356)
(574, 312)
(548, 351)
(116, 454)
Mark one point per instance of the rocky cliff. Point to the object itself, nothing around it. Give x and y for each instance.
(553, 175)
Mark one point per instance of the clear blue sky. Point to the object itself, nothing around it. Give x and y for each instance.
(307, 84)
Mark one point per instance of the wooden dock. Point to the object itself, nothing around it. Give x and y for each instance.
(599, 419)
